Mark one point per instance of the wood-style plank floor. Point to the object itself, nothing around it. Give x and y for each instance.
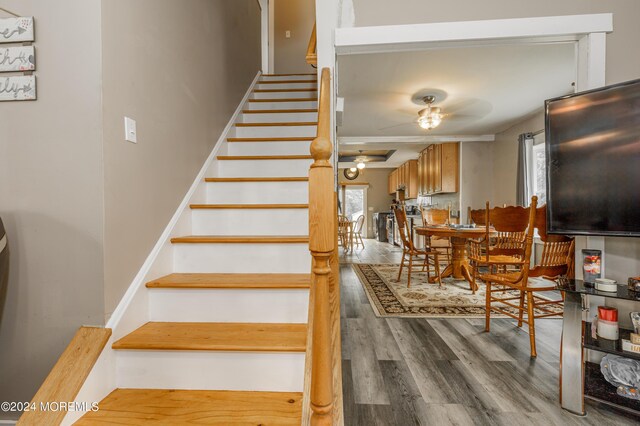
(405, 371)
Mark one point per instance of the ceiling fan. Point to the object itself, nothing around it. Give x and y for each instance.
(462, 110)
(429, 117)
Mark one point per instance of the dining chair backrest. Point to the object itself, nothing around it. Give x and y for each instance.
(435, 216)
(359, 223)
(476, 216)
(557, 253)
(509, 229)
(343, 224)
(403, 228)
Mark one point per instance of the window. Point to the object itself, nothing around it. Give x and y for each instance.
(537, 169)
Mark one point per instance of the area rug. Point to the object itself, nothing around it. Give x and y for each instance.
(423, 299)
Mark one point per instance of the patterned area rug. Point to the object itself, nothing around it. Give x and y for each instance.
(423, 299)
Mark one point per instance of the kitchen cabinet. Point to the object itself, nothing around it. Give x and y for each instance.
(440, 169)
(393, 182)
(405, 176)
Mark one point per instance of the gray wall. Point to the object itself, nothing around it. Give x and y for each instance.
(180, 72)
(51, 196)
(298, 16)
(377, 196)
(83, 207)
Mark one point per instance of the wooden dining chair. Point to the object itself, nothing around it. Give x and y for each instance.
(502, 246)
(476, 216)
(437, 217)
(357, 231)
(512, 219)
(412, 255)
(344, 232)
(556, 261)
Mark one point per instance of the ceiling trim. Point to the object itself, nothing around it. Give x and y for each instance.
(361, 140)
(391, 38)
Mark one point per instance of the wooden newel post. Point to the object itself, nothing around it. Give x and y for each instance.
(321, 246)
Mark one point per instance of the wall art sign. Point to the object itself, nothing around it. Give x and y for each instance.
(20, 58)
(18, 88)
(13, 30)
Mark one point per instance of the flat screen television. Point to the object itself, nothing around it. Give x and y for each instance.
(593, 162)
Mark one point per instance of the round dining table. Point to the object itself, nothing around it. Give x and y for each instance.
(459, 267)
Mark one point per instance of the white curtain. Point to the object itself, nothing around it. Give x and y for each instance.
(523, 188)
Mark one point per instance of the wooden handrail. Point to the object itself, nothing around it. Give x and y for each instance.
(312, 49)
(67, 377)
(324, 279)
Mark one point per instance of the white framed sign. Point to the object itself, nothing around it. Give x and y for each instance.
(13, 30)
(20, 58)
(18, 88)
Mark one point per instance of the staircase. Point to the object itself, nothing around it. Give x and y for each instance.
(226, 337)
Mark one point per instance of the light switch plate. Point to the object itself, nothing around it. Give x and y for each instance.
(287, 34)
(130, 132)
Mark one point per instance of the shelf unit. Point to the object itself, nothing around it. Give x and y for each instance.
(582, 380)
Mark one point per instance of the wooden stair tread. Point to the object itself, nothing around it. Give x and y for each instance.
(205, 407)
(286, 75)
(285, 100)
(278, 111)
(304, 89)
(289, 123)
(247, 206)
(287, 81)
(257, 179)
(244, 239)
(244, 281)
(264, 157)
(216, 336)
(276, 139)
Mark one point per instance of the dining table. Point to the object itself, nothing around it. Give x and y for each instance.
(459, 267)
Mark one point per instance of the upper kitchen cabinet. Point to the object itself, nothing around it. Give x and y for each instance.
(440, 170)
(405, 177)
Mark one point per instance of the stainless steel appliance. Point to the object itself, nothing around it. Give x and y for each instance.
(380, 226)
(391, 229)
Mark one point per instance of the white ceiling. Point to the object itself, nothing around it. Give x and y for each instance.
(481, 90)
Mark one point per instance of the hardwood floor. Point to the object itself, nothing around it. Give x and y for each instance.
(406, 371)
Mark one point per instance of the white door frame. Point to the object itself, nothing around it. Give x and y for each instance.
(266, 35)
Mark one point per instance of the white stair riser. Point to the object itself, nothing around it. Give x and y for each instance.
(229, 305)
(242, 258)
(311, 93)
(288, 77)
(252, 192)
(282, 105)
(280, 117)
(206, 370)
(251, 222)
(280, 86)
(269, 148)
(276, 131)
(264, 168)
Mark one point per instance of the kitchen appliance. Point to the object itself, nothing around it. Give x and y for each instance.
(391, 229)
(380, 226)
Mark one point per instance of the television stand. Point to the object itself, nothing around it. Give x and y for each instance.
(580, 380)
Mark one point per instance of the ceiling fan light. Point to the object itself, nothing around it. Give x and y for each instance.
(361, 165)
(353, 169)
